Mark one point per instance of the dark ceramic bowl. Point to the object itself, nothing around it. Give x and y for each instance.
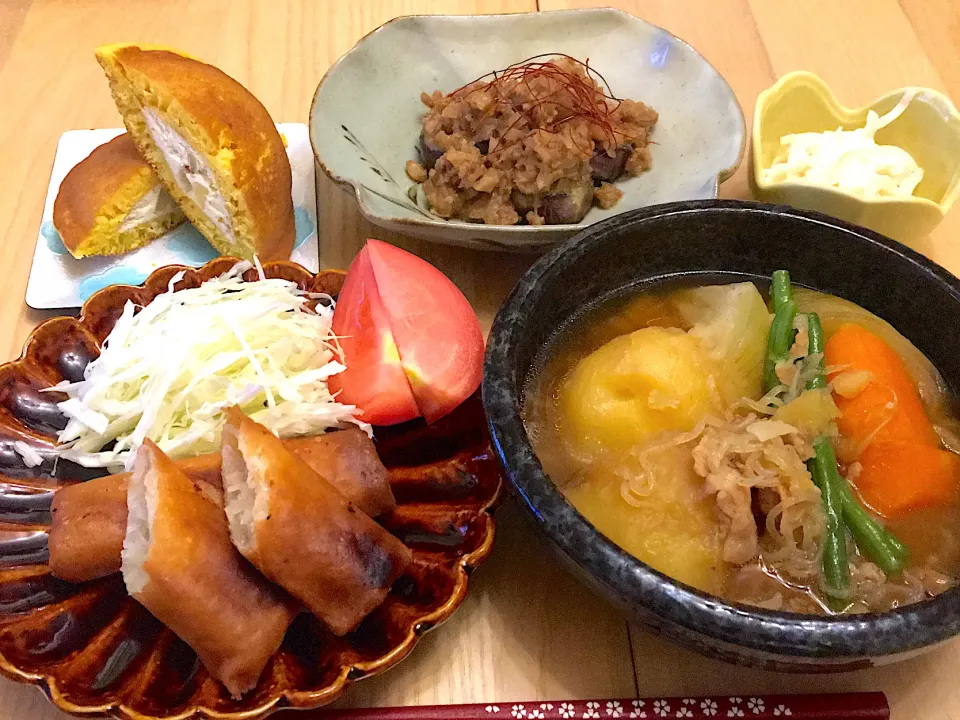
(707, 241)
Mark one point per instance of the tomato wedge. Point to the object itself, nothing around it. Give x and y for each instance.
(414, 346)
(436, 330)
(374, 380)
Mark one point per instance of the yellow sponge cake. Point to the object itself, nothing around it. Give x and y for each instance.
(112, 202)
(213, 145)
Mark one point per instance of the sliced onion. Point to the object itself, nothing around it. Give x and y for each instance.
(764, 430)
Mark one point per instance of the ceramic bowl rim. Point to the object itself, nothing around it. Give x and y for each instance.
(354, 188)
(779, 633)
(791, 79)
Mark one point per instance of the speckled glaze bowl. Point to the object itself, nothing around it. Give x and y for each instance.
(366, 113)
(709, 241)
(95, 651)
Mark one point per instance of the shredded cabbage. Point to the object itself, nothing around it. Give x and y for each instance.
(168, 372)
(31, 458)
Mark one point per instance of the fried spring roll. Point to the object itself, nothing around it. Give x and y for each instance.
(90, 518)
(89, 522)
(348, 460)
(300, 532)
(179, 563)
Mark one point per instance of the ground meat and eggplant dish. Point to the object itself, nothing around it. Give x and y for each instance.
(537, 143)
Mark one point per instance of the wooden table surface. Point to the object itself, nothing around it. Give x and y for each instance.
(527, 631)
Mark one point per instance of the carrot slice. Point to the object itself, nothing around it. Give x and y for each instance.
(888, 409)
(902, 465)
(897, 477)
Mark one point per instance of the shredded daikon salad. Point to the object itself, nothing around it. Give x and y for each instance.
(849, 160)
(168, 371)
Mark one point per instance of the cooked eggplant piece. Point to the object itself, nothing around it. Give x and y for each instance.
(567, 202)
(604, 168)
(525, 202)
(429, 153)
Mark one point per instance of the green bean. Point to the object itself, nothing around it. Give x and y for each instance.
(873, 539)
(815, 346)
(780, 291)
(779, 342)
(823, 466)
(836, 570)
(841, 508)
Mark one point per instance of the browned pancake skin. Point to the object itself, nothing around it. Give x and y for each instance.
(90, 184)
(201, 587)
(312, 541)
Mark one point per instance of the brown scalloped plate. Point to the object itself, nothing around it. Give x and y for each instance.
(93, 650)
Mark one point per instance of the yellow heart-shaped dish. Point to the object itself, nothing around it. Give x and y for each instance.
(929, 129)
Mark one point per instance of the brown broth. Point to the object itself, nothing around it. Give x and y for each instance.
(933, 534)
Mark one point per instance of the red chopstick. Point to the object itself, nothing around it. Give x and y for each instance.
(847, 706)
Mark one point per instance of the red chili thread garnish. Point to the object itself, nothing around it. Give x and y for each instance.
(575, 97)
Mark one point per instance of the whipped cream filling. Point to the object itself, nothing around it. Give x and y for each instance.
(156, 204)
(192, 173)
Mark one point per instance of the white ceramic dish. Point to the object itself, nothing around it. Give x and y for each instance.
(365, 117)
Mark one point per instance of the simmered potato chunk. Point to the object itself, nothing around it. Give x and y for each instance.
(669, 525)
(633, 387)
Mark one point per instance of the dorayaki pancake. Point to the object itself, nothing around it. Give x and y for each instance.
(112, 202)
(213, 145)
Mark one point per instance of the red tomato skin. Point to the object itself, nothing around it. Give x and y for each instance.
(435, 328)
(374, 380)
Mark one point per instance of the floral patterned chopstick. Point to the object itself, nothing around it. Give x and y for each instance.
(847, 706)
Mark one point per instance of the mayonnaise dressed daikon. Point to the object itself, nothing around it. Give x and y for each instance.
(849, 160)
